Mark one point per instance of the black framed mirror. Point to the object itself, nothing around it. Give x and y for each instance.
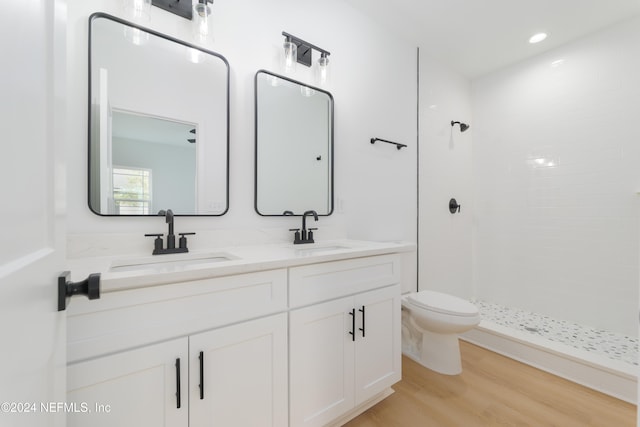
(158, 123)
(293, 147)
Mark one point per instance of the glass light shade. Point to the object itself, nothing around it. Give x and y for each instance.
(196, 56)
(322, 70)
(202, 22)
(306, 91)
(136, 36)
(275, 81)
(290, 56)
(137, 10)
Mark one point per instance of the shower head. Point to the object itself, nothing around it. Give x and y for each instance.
(463, 126)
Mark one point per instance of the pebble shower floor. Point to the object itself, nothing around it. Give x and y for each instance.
(605, 343)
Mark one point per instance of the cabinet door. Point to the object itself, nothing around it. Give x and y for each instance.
(321, 365)
(137, 388)
(238, 375)
(378, 347)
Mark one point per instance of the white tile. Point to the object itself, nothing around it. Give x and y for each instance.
(605, 343)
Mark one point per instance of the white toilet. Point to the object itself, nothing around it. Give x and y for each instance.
(439, 318)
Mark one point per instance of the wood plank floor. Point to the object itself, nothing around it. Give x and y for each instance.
(493, 390)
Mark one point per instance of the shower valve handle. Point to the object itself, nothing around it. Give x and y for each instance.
(454, 206)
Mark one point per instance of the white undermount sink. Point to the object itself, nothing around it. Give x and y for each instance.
(171, 262)
(314, 250)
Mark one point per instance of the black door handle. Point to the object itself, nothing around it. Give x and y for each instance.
(66, 289)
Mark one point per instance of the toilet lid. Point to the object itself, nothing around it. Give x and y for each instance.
(443, 303)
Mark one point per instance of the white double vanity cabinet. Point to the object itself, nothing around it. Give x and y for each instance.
(255, 336)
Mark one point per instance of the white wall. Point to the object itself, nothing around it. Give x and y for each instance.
(373, 81)
(445, 262)
(556, 169)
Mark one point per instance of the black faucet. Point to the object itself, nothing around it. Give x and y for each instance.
(158, 248)
(171, 238)
(304, 235)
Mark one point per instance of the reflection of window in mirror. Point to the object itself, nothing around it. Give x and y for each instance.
(169, 148)
(131, 191)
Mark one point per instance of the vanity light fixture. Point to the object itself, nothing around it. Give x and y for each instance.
(202, 19)
(182, 8)
(290, 56)
(323, 69)
(299, 51)
(198, 11)
(137, 10)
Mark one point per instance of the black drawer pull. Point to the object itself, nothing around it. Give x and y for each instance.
(201, 357)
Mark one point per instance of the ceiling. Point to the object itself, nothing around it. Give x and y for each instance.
(475, 37)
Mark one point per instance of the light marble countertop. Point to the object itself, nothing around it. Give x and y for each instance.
(137, 271)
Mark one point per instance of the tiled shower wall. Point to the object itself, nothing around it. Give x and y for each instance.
(556, 162)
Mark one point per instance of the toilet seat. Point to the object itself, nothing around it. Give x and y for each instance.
(443, 303)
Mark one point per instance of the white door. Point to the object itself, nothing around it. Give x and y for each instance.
(145, 387)
(321, 362)
(32, 109)
(378, 358)
(238, 375)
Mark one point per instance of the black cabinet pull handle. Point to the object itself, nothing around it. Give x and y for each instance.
(201, 357)
(178, 383)
(352, 313)
(362, 329)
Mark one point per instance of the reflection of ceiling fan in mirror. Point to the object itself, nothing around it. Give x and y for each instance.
(192, 140)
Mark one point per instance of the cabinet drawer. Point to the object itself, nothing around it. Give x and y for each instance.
(128, 319)
(310, 284)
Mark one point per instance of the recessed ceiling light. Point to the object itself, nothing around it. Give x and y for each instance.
(537, 38)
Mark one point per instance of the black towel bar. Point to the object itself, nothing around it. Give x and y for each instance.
(398, 145)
